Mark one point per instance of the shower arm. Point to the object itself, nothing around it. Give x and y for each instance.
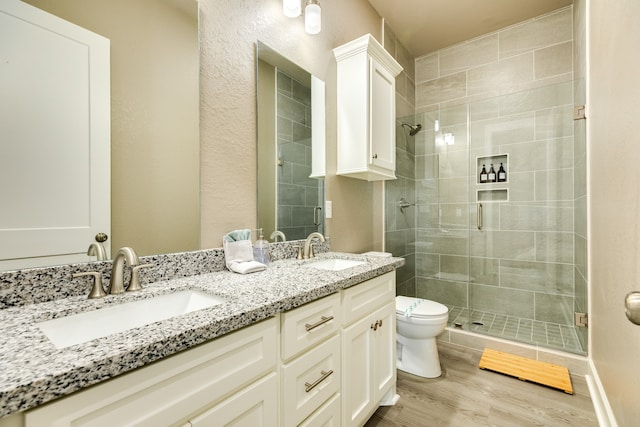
(404, 204)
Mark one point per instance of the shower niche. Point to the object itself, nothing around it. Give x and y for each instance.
(492, 178)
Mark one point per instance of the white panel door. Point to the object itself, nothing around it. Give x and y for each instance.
(54, 137)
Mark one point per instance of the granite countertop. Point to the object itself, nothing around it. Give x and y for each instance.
(33, 371)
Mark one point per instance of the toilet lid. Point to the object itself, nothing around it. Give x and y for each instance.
(418, 307)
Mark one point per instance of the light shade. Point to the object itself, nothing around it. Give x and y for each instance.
(291, 8)
(312, 17)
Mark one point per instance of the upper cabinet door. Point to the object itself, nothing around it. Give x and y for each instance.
(54, 138)
(382, 117)
(366, 110)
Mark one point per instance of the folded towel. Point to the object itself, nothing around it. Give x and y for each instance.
(237, 236)
(246, 267)
(238, 257)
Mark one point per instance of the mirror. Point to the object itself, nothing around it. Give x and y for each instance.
(154, 118)
(290, 135)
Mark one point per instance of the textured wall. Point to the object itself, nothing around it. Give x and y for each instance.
(229, 30)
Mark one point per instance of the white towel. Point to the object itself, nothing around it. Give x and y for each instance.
(246, 267)
(238, 257)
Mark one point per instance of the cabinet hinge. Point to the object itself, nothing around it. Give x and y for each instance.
(581, 319)
(579, 112)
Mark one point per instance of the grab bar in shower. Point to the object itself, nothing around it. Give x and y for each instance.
(479, 218)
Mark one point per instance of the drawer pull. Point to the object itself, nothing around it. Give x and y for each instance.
(320, 322)
(376, 325)
(308, 387)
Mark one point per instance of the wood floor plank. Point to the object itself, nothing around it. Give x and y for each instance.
(470, 397)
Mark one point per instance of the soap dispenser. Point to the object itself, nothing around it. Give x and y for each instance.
(261, 249)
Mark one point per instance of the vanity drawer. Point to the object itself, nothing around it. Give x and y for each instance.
(327, 416)
(308, 325)
(360, 300)
(309, 381)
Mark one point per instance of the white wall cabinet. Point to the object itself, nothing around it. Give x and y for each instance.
(366, 110)
(368, 348)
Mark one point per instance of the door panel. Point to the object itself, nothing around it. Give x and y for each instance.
(55, 136)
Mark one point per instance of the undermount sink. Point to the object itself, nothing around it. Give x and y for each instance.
(334, 264)
(83, 327)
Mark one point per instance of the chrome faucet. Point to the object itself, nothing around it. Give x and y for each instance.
(96, 249)
(308, 250)
(116, 283)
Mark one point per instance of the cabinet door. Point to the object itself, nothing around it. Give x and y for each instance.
(169, 389)
(382, 107)
(357, 365)
(255, 406)
(384, 352)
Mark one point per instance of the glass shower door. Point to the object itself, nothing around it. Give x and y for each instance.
(521, 228)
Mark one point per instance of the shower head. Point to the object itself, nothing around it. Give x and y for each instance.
(413, 129)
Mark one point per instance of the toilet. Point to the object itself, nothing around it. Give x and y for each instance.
(419, 322)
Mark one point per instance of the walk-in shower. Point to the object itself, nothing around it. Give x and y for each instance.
(493, 215)
(499, 254)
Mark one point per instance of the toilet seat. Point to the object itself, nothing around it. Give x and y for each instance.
(419, 308)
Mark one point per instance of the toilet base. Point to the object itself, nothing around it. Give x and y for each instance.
(418, 357)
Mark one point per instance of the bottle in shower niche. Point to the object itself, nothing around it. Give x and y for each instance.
(502, 174)
(492, 174)
(484, 177)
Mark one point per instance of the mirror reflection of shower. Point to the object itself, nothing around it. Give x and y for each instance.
(413, 129)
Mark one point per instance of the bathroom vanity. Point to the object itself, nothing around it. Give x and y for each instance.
(293, 345)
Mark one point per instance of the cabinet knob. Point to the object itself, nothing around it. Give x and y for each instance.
(375, 156)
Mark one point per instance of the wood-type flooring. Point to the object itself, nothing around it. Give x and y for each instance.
(467, 396)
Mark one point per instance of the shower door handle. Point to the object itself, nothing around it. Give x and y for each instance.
(316, 216)
(479, 217)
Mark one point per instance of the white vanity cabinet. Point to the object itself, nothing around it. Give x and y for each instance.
(368, 348)
(231, 378)
(330, 362)
(310, 372)
(366, 110)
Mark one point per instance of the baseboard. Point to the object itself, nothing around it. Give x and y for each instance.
(604, 413)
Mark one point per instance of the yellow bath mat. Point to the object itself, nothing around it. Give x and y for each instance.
(527, 369)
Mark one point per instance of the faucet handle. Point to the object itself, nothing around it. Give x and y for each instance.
(299, 252)
(97, 291)
(311, 254)
(134, 284)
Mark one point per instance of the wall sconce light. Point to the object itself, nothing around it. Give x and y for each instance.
(312, 14)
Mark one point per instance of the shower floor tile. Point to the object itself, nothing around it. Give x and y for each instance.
(550, 335)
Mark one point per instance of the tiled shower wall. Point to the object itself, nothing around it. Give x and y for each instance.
(400, 226)
(505, 93)
(298, 194)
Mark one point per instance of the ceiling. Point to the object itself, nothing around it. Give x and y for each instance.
(424, 26)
